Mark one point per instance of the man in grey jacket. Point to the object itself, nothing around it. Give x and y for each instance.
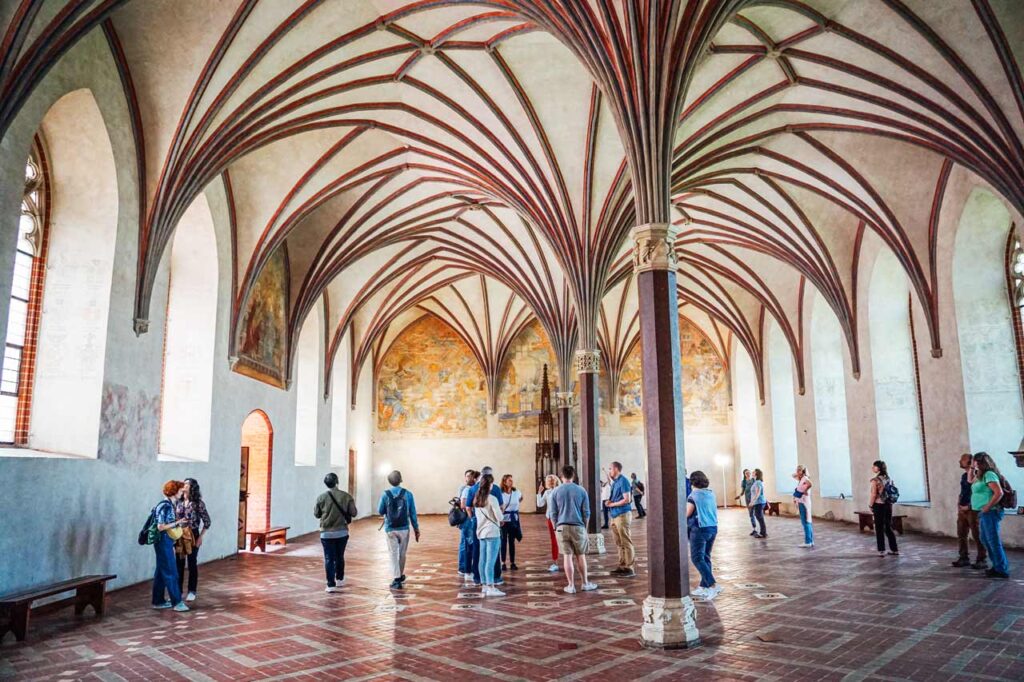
(335, 509)
(569, 511)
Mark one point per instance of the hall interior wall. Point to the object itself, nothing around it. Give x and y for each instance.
(66, 516)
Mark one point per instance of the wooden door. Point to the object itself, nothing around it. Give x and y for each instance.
(352, 472)
(243, 496)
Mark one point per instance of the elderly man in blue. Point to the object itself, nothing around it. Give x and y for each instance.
(620, 508)
(467, 503)
(398, 507)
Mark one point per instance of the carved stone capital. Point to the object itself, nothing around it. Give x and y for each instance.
(588, 361)
(669, 623)
(564, 399)
(654, 247)
(141, 326)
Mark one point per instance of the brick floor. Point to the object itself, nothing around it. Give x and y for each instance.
(847, 615)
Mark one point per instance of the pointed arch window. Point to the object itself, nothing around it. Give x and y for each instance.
(24, 306)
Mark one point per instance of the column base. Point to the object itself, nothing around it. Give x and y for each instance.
(669, 623)
(595, 544)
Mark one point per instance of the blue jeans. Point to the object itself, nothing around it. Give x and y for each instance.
(467, 536)
(988, 523)
(334, 558)
(488, 558)
(476, 560)
(805, 521)
(701, 542)
(166, 575)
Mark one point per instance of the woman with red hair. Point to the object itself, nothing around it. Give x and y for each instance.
(166, 577)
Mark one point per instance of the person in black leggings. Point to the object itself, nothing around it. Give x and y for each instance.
(881, 507)
(511, 531)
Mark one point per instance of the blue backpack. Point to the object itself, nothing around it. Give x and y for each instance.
(397, 511)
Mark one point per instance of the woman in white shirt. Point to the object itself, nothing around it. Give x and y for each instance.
(606, 494)
(488, 532)
(543, 493)
(511, 530)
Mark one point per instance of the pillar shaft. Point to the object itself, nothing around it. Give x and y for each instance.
(587, 367)
(669, 614)
(563, 401)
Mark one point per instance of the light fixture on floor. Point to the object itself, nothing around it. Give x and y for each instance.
(723, 460)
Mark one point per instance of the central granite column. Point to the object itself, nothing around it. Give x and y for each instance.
(588, 367)
(669, 616)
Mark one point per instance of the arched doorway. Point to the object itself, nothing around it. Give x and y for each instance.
(256, 469)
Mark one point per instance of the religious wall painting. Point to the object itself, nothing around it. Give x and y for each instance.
(430, 384)
(704, 377)
(263, 331)
(520, 384)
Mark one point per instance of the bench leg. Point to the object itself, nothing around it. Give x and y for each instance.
(897, 525)
(89, 595)
(19, 621)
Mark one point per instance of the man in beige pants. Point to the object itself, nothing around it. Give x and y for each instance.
(620, 508)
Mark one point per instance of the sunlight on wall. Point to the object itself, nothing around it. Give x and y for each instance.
(307, 397)
(783, 396)
(746, 410)
(829, 376)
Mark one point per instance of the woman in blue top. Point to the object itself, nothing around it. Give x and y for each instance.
(986, 492)
(755, 502)
(165, 579)
(702, 516)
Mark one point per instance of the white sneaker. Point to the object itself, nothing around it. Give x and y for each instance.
(569, 589)
(713, 592)
(191, 596)
(553, 568)
(180, 606)
(331, 590)
(807, 545)
(588, 587)
(494, 592)
(699, 592)
(341, 583)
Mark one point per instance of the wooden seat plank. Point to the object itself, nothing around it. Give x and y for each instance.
(16, 608)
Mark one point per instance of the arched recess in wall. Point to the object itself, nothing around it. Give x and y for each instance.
(257, 469)
(429, 383)
(73, 297)
(189, 338)
(308, 395)
(829, 378)
(897, 409)
(340, 401)
(783, 397)
(746, 410)
(988, 356)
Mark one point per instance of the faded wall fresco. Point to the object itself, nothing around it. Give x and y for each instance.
(263, 330)
(705, 387)
(129, 424)
(430, 384)
(520, 385)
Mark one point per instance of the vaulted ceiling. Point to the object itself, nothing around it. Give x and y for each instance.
(478, 159)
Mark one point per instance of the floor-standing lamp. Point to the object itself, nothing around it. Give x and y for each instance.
(723, 460)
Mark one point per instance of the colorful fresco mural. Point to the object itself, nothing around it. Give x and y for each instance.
(705, 384)
(263, 332)
(520, 384)
(430, 384)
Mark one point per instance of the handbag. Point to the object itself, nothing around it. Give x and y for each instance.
(456, 515)
(517, 528)
(344, 514)
(175, 533)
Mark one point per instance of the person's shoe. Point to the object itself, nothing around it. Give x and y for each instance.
(881, 554)
(891, 553)
(181, 606)
(396, 584)
(807, 545)
(604, 527)
(617, 571)
(569, 589)
(999, 575)
(701, 592)
(504, 567)
(588, 587)
(961, 563)
(499, 581)
(191, 596)
(627, 573)
(753, 533)
(494, 592)
(341, 582)
(514, 567)
(758, 536)
(978, 565)
(402, 579)
(330, 589)
(553, 568)
(713, 592)
(165, 605)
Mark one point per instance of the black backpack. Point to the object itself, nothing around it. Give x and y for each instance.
(890, 493)
(397, 511)
(456, 515)
(1009, 498)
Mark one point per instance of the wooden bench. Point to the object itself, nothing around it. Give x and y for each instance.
(772, 508)
(278, 535)
(866, 520)
(15, 608)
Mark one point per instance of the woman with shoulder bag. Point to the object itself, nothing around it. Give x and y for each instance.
(488, 531)
(192, 509)
(165, 579)
(511, 530)
(986, 495)
(881, 508)
(335, 509)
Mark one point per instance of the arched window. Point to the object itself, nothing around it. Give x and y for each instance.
(307, 387)
(23, 314)
(746, 410)
(783, 396)
(340, 404)
(829, 378)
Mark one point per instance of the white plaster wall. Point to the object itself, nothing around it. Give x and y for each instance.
(828, 374)
(782, 387)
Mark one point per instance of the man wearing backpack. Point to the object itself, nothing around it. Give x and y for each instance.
(335, 509)
(398, 508)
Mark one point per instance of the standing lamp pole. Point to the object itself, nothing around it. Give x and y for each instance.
(723, 460)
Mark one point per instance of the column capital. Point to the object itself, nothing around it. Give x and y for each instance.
(564, 399)
(654, 247)
(588, 361)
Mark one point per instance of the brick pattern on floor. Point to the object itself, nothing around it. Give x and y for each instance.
(837, 612)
